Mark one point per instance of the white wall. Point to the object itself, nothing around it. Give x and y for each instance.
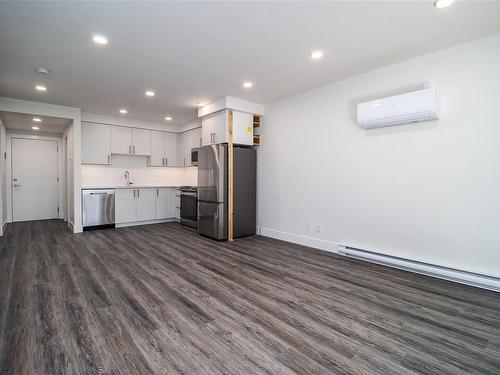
(427, 191)
(43, 109)
(190, 125)
(70, 173)
(3, 180)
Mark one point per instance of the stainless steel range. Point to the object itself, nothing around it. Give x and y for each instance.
(189, 206)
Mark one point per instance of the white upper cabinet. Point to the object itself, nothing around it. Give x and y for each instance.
(121, 140)
(164, 148)
(187, 141)
(157, 148)
(242, 128)
(132, 141)
(215, 128)
(141, 141)
(96, 143)
(171, 149)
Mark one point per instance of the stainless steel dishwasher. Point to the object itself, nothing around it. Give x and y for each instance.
(98, 208)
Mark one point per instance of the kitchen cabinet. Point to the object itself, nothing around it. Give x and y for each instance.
(146, 203)
(96, 143)
(141, 141)
(132, 141)
(171, 149)
(125, 206)
(121, 140)
(165, 203)
(157, 148)
(136, 205)
(215, 128)
(164, 149)
(242, 128)
(187, 141)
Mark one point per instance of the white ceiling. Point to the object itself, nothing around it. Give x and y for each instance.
(23, 122)
(189, 51)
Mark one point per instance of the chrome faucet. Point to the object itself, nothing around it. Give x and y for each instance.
(127, 178)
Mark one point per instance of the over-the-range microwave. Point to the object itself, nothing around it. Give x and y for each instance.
(194, 156)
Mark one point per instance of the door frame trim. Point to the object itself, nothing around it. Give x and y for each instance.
(60, 173)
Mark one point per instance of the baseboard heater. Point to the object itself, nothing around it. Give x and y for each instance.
(451, 274)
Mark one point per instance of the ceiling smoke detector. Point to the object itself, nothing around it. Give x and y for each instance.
(40, 70)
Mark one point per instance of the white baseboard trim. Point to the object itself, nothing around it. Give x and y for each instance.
(440, 272)
(145, 222)
(71, 226)
(300, 239)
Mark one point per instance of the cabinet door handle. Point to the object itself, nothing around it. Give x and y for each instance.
(166, 161)
(138, 193)
(134, 149)
(108, 159)
(129, 149)
(157, 190)
(215, 137)
(134, 193)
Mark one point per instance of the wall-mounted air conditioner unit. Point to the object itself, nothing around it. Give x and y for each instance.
(400, 109)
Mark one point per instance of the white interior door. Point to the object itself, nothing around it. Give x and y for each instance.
(34, 179)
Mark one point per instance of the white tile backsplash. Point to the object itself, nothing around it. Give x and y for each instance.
(114, 175)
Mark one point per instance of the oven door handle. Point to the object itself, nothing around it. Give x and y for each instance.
(189, 194)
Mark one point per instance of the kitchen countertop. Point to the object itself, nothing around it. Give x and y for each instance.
(127, 187)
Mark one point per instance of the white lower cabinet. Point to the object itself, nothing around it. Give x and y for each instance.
(164, 203)
(125, 206)
(146, 204)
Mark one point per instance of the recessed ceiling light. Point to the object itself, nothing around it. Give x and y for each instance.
(35, 128)
(247, 84)
(149, 93)
(37, 119)
(99, 39)
(123, 111)
(443, 3)
(41, 88)
(168, 118)
(316, 55)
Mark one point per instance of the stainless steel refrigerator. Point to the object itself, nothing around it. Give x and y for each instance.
(213, 191)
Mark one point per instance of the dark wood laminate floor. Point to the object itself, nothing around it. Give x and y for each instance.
(160, 299)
